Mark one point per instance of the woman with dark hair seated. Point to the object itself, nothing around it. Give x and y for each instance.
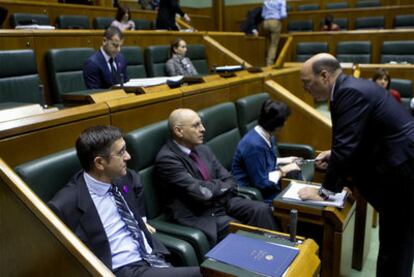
(179, 64)
(255, 156)
(329, 24)
(123, 19)
(383, 79)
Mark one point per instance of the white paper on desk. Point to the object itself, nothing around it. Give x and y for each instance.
(148, 82)
(292, 194)
(229, 67)
(35, 26)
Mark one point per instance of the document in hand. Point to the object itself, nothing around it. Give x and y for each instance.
(254, 255)
(292, 194)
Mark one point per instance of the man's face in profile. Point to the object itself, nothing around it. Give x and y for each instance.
(113, 46)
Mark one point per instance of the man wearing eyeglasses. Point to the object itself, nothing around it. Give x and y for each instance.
(106, 67)
(103, 205)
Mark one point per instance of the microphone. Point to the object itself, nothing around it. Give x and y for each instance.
(293, 224)
(121, 77)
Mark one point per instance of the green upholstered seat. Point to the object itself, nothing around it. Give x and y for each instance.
(143, 144)
(72, 22)
(135, 62)
(308, 7)
(19, 79)
(401, 51)
(102, 22)
(28, 18)
(368, 23)
(197, 55)
(404, 21)
(300, 25)
(47, 175)
(354, 51)
(155, 58)
(337, 5)
(305, 50)
(367, 3)
(142, 24)
(65, 70)
(248, 112)
(405, 88)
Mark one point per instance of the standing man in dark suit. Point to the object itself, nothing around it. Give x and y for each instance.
(106, 67)
(166, 15)
(199, 191)
(90, 206)
(373, 150)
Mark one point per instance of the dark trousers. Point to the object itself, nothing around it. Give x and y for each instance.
(141, 268)
(396, 224)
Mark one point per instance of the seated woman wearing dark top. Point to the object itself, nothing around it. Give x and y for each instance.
(179, 64)
(255, 156)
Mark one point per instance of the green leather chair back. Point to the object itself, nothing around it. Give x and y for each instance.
(155, 58)
(337, 5)
(65, 70)
(28, 18)
(367, 3)
(72, 22)
(47, 175)
(371, 22)
(300, 25)
(305, 50)
(19, 80)
(354, 51)
(197, 55)
(135, 62)
(142, 24)
(248, 111)
(308, 7)
(405, 88)
(404, 21)
(102, 22)
(401, 51)
(222, 132)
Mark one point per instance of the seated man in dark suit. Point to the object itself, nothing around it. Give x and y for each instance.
(199, 191)
(103, 205)
(106, 67)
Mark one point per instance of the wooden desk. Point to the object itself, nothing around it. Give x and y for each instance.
(331, 228)
(305, 264)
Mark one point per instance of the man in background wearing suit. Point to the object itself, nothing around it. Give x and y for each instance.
(106, 67)
(372, 150)
(103, 205)
(199, 191)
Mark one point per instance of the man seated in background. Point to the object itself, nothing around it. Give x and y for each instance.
(103, 205)
(199, 191)
(255, 155)
(106, 67)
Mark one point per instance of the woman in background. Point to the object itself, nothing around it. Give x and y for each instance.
(179, 64)
(383, 79)
(329, 24)
(123, 19)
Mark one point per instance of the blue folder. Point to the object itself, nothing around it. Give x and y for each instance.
(254, 255)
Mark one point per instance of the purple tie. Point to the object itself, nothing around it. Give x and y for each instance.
(200, 165)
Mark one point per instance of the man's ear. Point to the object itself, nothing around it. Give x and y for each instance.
(99, 163)
(178, 131)
(324, 75)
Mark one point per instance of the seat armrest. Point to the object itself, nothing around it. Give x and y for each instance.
(293, 149)
(182, 253)
(251, 192)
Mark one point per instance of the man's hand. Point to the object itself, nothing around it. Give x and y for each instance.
(255, 33)
(151, 229)
(321, 161)
(288, 168)
(187, 18)
(309, 194)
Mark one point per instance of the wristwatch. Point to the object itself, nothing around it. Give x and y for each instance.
(323, 193)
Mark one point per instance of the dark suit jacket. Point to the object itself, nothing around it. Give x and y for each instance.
(75, 207)
(166, 14)
(372, 134)
(97, 74)
(252, 21)
(189, 199)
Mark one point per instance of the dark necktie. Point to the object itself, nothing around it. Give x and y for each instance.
(200, 165)
(114, 72)
(134, 229)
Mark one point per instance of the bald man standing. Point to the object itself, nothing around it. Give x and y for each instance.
(199, 191)
(373, 150)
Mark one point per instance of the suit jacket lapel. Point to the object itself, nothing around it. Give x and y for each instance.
(188, 162)
(107, 72)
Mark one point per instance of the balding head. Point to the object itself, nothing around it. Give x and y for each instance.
(319, 74)
(186, 127)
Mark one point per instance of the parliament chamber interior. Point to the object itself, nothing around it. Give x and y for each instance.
(45, 105)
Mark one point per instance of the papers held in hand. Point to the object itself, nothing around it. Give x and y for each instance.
(254, 255)
(291, 193)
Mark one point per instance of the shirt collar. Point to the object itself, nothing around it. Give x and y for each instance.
(106, 56)
(183, 148)
(96, 186)
(264, 134)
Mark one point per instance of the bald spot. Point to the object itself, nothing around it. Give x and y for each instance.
(321, 58)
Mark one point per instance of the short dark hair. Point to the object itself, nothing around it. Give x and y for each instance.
(95, 141)
(174, 44)
(121, 11)
(329, 64)
(113, 31)
(273, 115)
(380, 73)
